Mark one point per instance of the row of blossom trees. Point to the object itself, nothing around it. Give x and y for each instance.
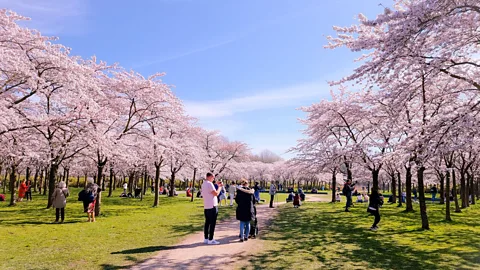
(414, 111)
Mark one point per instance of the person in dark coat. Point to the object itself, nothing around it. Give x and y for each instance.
(245, 210)
(374, 208)
(347, 192)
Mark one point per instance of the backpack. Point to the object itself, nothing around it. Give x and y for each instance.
(90, 196)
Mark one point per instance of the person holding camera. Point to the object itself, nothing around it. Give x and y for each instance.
(210, 205)
(347, 192)
(374, 207)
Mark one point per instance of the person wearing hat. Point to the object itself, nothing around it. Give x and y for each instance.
(59, 201)
(245, 211)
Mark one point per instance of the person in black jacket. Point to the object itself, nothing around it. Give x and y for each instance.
(374, 208)
(245, 210)
(347, 192)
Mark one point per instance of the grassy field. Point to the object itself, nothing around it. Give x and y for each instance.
(129, 231)
(322, 236)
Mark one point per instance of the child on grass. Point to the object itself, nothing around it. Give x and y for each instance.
(296, 200)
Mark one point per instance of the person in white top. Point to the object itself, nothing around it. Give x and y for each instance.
(231, 192)
(210, 205)
(125, 186)
(273, 190)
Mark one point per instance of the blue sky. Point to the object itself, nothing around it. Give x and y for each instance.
(242, 67)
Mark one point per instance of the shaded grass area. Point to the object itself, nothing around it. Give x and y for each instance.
(128, 232)
(322, 236)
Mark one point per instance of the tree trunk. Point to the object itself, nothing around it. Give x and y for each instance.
(78, 180)
(375, 173)
(400, 197)
(421, 197)
(463, 189)
(172, 183)
(67, 177)
(98, 202)
(103, 181)
(130, 182)
(35, 177)
(394, 188)
(454, 191)
(27, 174)
(193, 184)
(442, 188)
(111, 184)
(472, 188)
(5, 181)
(12, 185)
(145, 181)
(447, 202)
(51, 182)
(45, 181)
(334, 185)
(408, 188)
(157, 184)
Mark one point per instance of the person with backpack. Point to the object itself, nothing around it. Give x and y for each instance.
(245, 210)
(59, 201)
(374, 207)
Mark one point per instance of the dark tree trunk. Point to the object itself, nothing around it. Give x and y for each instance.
(35, 177)
(157, 184)
(111, 184)
(5, 181)
(454, 191)
(145, 181)
(78, 180)
(67, 176)
(85, 180)
(103, 181)
(12, 185)
(27, 174)
(51, 182)
(421, 197)
(375, 174)
(447, 202)
(100, 178)
(472, 188)
(334, 185)
(130, 182)
(408, 189)
(400, 198)
(193, 183)
(394, 188)
(442, 188)
(463, 188)
(172, 183)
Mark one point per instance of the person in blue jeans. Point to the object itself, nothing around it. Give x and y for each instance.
(256, 188)
(245, 208)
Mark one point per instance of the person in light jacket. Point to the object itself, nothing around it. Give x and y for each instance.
(59, 201)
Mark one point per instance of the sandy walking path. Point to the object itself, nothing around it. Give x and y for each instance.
(192, 253)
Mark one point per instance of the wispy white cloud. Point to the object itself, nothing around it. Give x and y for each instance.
(51, 17)
(275, 98)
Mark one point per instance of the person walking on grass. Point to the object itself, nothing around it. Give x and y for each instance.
(232, 189)
(273, 190)
(210, 205)
(91, 197)
(374, 208)
(245, 211)
(59, 201)
(21, 191)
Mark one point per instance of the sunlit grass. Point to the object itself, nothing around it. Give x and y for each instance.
(322, 236)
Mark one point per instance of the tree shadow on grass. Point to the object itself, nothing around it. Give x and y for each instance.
(335, 240)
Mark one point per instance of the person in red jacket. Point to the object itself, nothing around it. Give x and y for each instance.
(296, 200)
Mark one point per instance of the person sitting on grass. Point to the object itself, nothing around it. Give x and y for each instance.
(189, 193)
(365, 198)
(296, 200)
(337, 197)
(290, 197)
(59, 201)
(360, 198)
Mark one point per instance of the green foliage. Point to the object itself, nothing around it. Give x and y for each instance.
(322, 236)
(31, 241)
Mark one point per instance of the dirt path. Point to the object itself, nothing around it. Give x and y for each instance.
(191, 253)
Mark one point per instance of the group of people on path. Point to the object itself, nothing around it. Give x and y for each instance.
(25, 190)
(245, 198)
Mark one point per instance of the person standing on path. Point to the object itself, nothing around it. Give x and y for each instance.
(231, 192)
(245, 212)
(273, 190)
(28, 193)
(59, 201)
(347, 192)
(210, 205)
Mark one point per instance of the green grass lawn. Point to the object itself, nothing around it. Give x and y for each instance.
(129, 231)
(322, 236)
